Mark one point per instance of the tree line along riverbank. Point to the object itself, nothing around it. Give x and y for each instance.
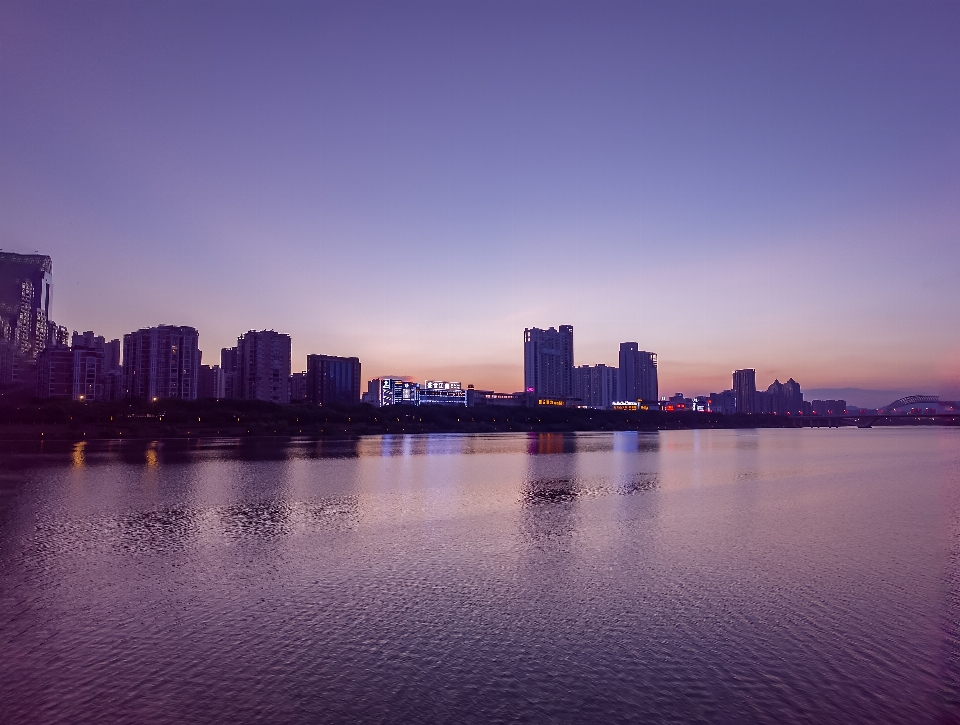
(32, 419)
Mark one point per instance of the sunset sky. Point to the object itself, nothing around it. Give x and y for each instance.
(762, 184)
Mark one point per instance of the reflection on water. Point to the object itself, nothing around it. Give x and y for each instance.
(687, 576)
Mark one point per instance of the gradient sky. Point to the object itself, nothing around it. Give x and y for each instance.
(760, 184)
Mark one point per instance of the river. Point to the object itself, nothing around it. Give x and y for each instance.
(782, 576)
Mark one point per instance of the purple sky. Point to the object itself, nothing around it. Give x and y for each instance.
(762, 184)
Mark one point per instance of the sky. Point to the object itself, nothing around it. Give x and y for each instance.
(773, 185)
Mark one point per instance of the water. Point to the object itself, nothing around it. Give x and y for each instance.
(794, 576)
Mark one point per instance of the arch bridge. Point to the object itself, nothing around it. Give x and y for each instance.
(926, 401)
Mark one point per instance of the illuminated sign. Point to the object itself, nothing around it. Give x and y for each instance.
(440, 385)
(396, 390)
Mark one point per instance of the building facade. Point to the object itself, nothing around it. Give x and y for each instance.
(161, 362)
(230, 371)
(637, 374)
(333, 380)
(745, 390)
(298, 387)
(442, 392)
(263, 359)
(595, 385)
(88, 366)
(55, 372)
(210, 383)
(548, 363)
(382, 392)
(26, 281)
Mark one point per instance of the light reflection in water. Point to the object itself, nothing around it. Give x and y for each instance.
(78, 457)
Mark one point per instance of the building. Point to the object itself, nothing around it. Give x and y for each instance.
(210, 383)
(828, 407)
(333, 380)
(9, 363)
(25, 285)
(161, 362)
(230, 371)
(442, 392)
(724, 402)
(745, 390)
(489, 397)
(298, 387)
(637, 374)
(781, 399)
(596, 386)
(55, 372)
(88, 366)
(392, 391)
(548, 363)
(112, 372)
(263, 359)
(677, 403)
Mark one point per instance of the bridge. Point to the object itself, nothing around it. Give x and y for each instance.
(909, 410)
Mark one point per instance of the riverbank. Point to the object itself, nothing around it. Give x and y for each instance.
(67, 420)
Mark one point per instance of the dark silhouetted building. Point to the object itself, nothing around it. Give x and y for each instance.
(637, 374)
(55, 372)
(548, 363)
(828, 407)
(210, 383)
(781, 399)
(230, 371)
(745, 390)
(724, 402)
(298, 387)
(112, 372)
(161, 362)
(595, 385)
(332, 379)
(263, 359)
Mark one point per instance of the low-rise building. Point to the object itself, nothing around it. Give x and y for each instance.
(442, 392)
(393, 390)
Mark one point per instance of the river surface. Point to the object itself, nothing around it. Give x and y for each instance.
(781, 576)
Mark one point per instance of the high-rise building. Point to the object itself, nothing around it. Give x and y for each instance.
(596, 386)
(161, 362)
(745, 390)
(112, 374)
(548, 363)
(263, 359)
(781, 398)
(25, 283)
(230, 370)
(209, 383)
(332, 379)
(88, 365)
(637, 374)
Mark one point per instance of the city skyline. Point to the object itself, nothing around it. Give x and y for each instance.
(762, 186)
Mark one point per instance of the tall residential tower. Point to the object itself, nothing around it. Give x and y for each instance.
(548, 362)
(637, 376)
